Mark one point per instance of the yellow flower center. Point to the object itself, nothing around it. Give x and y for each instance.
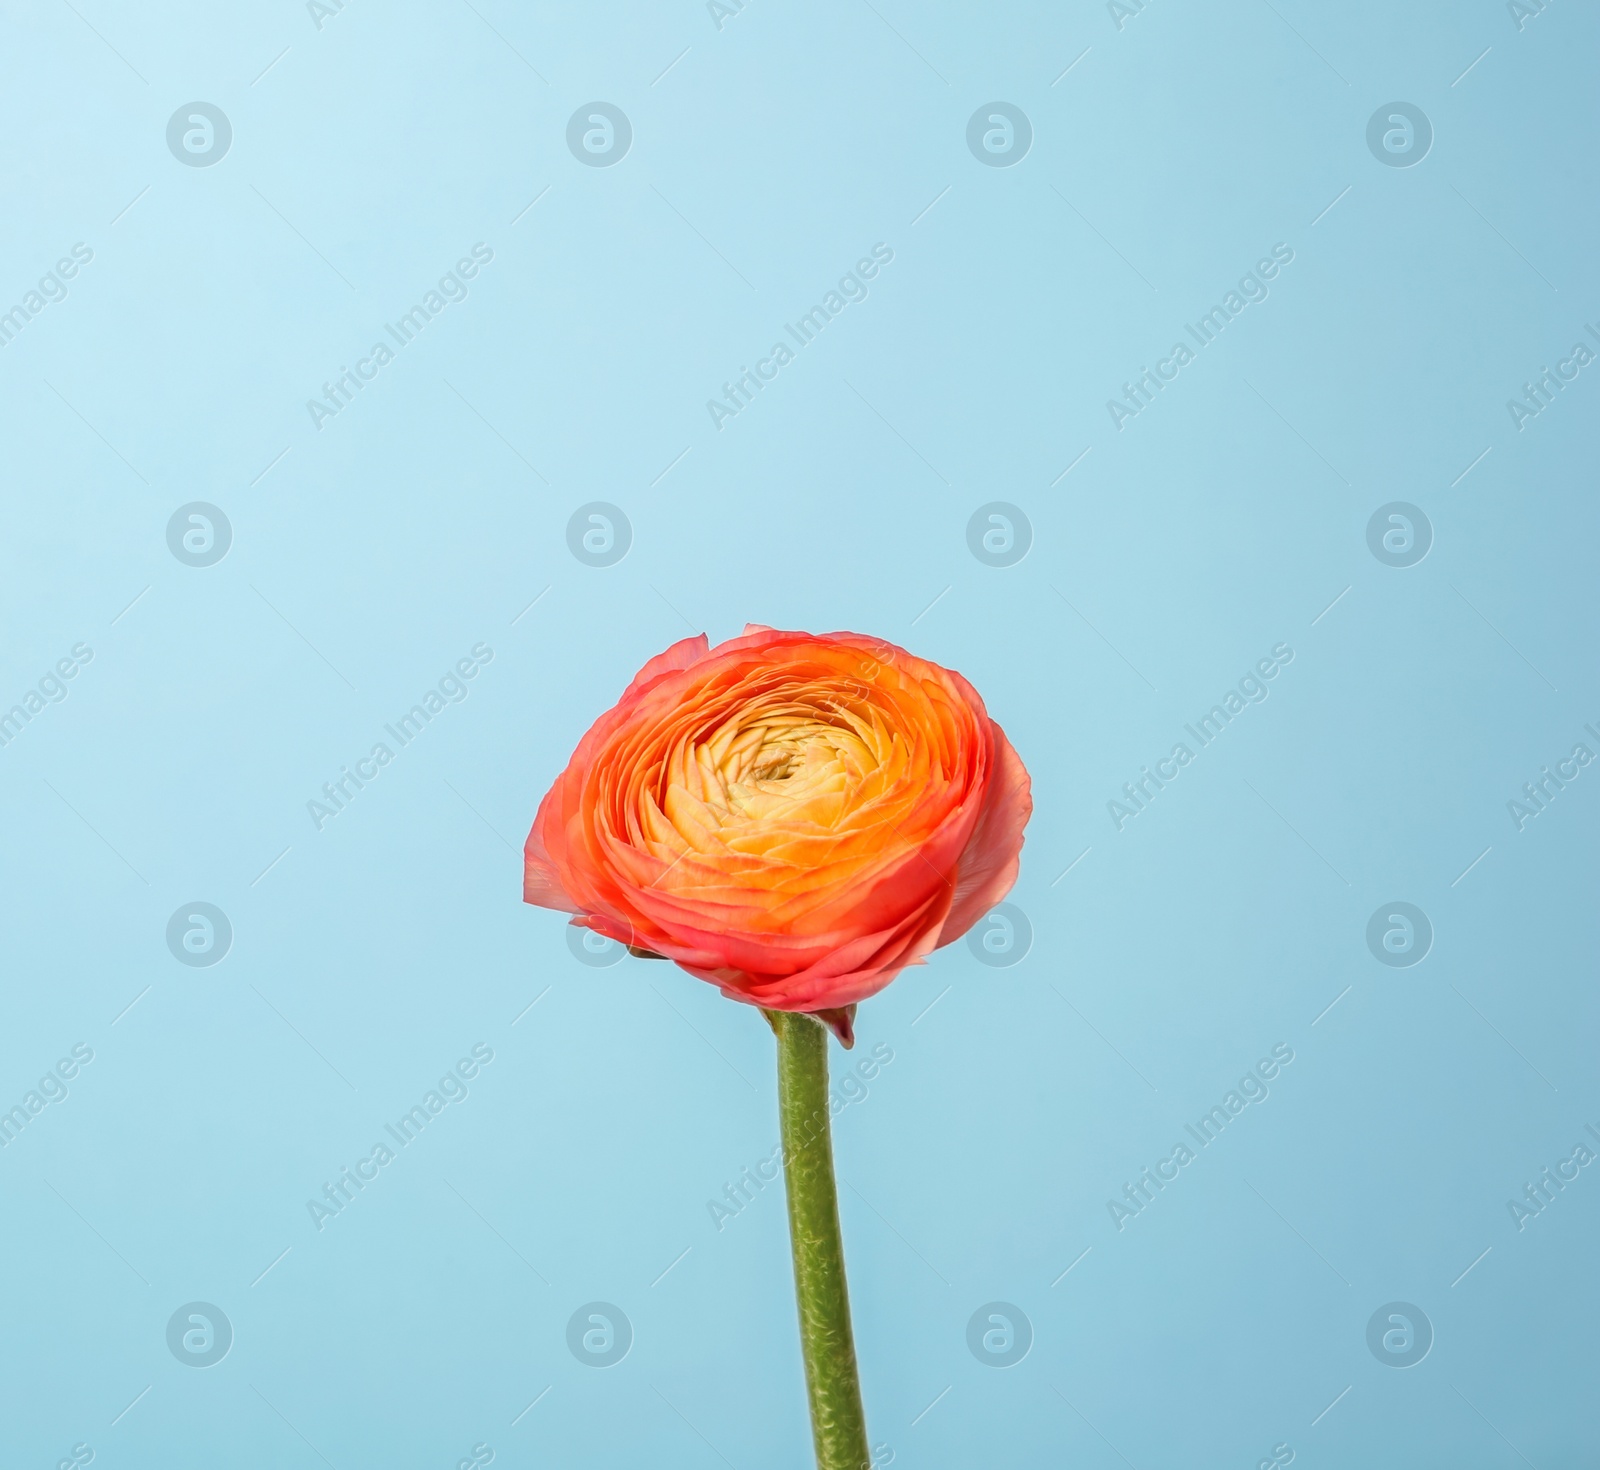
(780, 782)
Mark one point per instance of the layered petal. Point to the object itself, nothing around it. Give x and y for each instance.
(792, 817)
(990, 862)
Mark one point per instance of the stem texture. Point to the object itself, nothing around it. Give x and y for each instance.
(838, 1425)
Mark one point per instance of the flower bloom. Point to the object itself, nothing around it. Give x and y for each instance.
(793, 817)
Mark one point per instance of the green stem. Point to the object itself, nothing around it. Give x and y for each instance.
(838, 1425)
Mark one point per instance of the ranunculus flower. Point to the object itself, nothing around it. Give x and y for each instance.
(793, 817)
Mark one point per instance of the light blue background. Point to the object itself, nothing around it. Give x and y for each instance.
(370, 554)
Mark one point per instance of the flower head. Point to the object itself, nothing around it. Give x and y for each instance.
(793, 817)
